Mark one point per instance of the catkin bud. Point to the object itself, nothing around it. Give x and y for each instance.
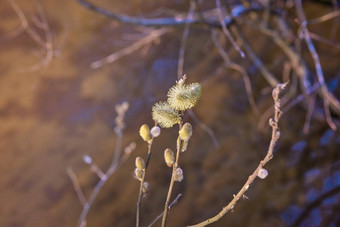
(178, 175)
(263, 173)
(185, 132)
(184, 145)
(144, 132)
(169, 157)
(145, 187)
(155, 131)
(140, 163)
(139, 174)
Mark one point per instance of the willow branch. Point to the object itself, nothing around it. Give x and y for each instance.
(274, 138)
(172, 181)
(140, 195)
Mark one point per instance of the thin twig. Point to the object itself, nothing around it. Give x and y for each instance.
(205, 128)
(225, 29)
(140, 195)
(232, 65)
(116, 161)
(317, 202)
(274, 138)
(183, 41)
(46, 44)
(171, 205)
(76, 186)
(324, 18)
(318, 68)
(172, 181)
(130, 49)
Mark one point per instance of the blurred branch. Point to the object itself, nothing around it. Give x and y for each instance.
(170, 21)
(183, 41)
(314, 204)
(130, 49)
(327, 96)
(40, 21)
(117, 159)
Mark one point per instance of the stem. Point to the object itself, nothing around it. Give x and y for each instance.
(174, 167)
(140, 195)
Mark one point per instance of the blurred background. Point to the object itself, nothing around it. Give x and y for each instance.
(59, 92)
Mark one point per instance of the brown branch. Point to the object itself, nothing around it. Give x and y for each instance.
(170, 21)
(130, 49)
(274, 138)
(225, 29)
(318, 68)
(76, 186)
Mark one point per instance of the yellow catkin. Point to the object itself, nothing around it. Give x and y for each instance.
(169, 157)
(144, 132)
(140, 164)
(186, 132)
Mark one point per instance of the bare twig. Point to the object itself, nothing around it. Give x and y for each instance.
(140, 195)
(324, 18)
(205, 128)
(318, 68)
(45, 43)
(116, 161)
(317, 202)
(76, 186)
(171, 205)
(232, 65)
(183, 41)
(130, 49)
(273, 122)
(225, 29)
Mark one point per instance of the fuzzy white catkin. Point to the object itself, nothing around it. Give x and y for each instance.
(263, 173)
(155, 131)
(179, 175)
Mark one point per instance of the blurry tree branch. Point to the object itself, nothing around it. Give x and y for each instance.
(169, 21)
